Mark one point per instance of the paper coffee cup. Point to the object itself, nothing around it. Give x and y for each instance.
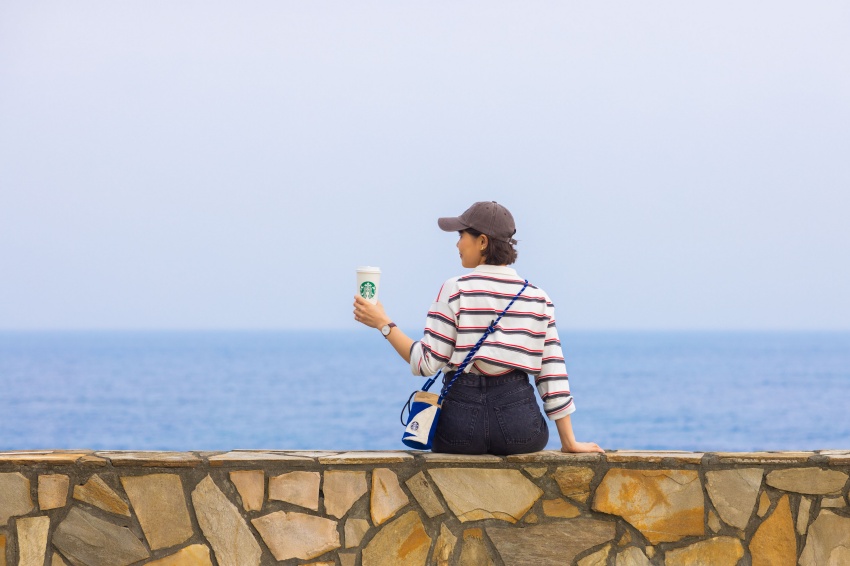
(368, 280)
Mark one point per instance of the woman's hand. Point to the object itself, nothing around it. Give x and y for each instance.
(569, 444)
(582, 447)
(371, 315)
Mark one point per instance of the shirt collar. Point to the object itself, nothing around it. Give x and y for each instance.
(496, 269)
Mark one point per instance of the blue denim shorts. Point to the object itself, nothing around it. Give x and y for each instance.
(490, 415)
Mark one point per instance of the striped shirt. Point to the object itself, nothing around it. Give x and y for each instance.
(526, 338)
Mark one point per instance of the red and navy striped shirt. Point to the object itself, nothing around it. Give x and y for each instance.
(526, 338)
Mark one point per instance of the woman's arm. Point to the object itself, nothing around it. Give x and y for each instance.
(374, 316)
(568, 439)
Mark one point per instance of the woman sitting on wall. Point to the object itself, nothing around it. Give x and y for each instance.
(491, 407)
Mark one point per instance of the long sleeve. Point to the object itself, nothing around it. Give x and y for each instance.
(430, 354)
(552, 382)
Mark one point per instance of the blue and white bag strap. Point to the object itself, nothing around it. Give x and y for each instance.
(475, 348)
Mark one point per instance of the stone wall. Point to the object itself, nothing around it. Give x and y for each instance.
(246, 508)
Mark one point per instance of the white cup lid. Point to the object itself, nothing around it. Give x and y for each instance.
(367, 269)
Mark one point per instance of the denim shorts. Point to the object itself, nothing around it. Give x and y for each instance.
(490, 415)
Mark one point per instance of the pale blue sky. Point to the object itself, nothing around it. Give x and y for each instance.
(228, 165)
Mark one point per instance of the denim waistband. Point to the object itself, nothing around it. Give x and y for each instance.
(476, 380)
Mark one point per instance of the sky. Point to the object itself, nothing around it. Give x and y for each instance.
(224, 165)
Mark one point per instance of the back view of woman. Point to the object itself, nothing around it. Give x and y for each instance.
(491, 407)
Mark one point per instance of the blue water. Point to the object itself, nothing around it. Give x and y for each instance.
(343, 390)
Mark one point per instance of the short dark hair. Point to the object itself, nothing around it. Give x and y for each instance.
(497, 252)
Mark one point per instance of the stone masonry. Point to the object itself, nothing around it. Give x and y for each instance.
(252, 508)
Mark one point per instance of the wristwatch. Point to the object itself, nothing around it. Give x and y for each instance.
(387, 328)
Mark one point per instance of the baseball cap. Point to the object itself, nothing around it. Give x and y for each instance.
(488, 217)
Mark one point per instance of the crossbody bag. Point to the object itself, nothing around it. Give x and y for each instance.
(424, 408)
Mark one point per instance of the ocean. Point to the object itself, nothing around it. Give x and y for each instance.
(343, 390)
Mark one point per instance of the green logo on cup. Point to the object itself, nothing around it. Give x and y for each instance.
(367, 290)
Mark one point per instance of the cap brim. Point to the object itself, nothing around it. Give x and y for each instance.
(451, 224)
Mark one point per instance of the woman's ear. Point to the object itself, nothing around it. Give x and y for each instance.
(483, 241)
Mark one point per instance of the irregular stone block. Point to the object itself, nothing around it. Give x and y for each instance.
(238, 457)
(298, 488)
(474, 551)
(756, 458)
(664, 505)
(401, 542)
(811, 481)
(342, 490)
(556, 456)
(86, 539)
(443, 458)
(560, 508)
(531, 519)
(574, 481)
(803, 515)
(444, 548)
(764, 504)
(832, 502)
(296, 535)
(673, 457)
(160, 505)
(90, 460)
(2, 549)
(96, 492)
(56, 560)
(598, 558)
(365, 457)
(421, 489)
(828, 541)
(475, 493)
(632, 556)
(387, 496)
(559, 544)
(775, 543)
(32, 540)
(251, 485)
(314, 454)
(151, 458)
(734, 494)
(714, 522)
(54, 458)
(355, 529)
(838, 459)
(223, 527)
(194, 555)
(536, 472)
(15, 498)
(53, 491)
(347, 558)
(717, 551)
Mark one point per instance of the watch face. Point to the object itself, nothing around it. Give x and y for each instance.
(385, 330)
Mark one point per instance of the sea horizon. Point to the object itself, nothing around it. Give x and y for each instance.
(343, 389)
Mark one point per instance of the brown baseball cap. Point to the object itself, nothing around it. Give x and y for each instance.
(488, 217)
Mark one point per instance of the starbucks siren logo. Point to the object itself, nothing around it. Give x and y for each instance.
(367, 290)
